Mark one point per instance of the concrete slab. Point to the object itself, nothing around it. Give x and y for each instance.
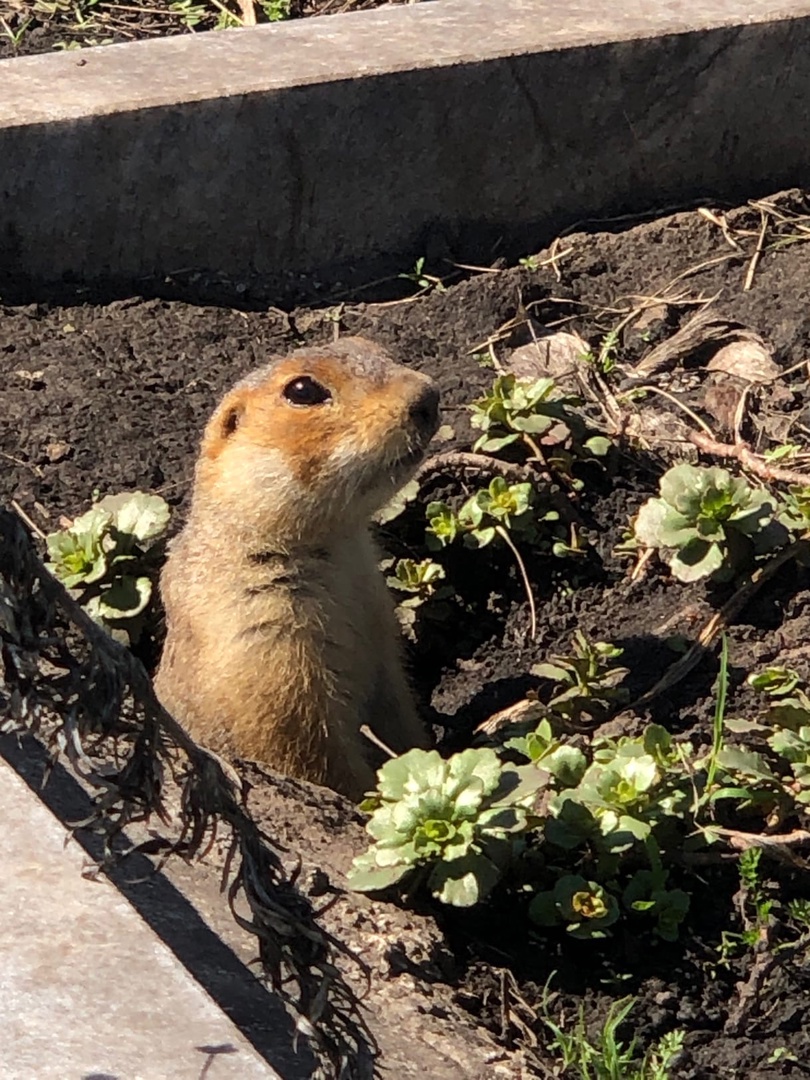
(428, 129)
(89, 992)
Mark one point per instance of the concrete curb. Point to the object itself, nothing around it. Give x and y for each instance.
(89, 990)
(429, 129)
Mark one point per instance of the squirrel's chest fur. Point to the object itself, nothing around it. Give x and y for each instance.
(289, 664)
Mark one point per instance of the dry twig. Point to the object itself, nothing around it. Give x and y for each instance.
(743, 453)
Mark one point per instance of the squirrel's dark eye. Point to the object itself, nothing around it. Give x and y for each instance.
(306, 391)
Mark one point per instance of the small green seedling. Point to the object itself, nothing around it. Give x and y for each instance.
(419, 578)
(785, 452)
(106, 559)
(14, 34)
(647, 894)
(452, 820)
(782, 1055)
(756, 908)
(587, 681)
(423, 281)
(708, 523)
(606, 356)
(795, 510)
(191, 14)
(786, 726)
(500, 504)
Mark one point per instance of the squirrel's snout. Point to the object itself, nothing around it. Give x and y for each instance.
(423, 411)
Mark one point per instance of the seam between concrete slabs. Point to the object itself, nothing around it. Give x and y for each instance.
(124, 78)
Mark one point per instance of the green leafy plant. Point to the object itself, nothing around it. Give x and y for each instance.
(532, 414)
(647, 893)
(422, 581)
(612, 806)
(602, 1055)
(799, 911)
(757, 907)
(785, 452)
(494, 511)
(586, 681)
(785, 729)
(708, 523)
(516, 409)
(605, 358)
(795, 509)
(451, 821)
(419, 578)
(190, 12)
(592, 832)
(15, 34)
(276, 10)
(584, 907)
(485, 515)
(106, 558)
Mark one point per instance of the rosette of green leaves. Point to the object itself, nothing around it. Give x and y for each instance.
(564, 762)
(516, 407)
(631, 787)
(103, 558)
(80, 553)
(708, 523)
(501, 504)
(585, 908)
(455, 820)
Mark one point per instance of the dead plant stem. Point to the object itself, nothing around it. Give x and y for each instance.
(507, 539)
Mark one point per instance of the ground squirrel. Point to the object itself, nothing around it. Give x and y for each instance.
(281, 635)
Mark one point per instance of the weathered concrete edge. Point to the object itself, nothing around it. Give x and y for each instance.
(174, 70)
(440, 159)
(88, 988)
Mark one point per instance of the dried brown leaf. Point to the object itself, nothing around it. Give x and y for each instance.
(746, 358)
(701, 332)
(551, 356)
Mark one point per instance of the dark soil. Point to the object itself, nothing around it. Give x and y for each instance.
(28, 27)
(113, 396)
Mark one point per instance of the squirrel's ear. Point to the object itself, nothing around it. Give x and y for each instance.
(231, 418)
(223, 424)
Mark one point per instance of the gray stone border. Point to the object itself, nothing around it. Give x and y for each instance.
(438, 129)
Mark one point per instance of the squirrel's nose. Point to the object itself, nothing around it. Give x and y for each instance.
(423, 411)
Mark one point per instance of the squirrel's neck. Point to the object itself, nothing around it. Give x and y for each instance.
(255, 545)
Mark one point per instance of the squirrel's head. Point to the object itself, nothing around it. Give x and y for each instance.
(315, 442)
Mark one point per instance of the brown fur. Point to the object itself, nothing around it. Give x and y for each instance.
(281, 636)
